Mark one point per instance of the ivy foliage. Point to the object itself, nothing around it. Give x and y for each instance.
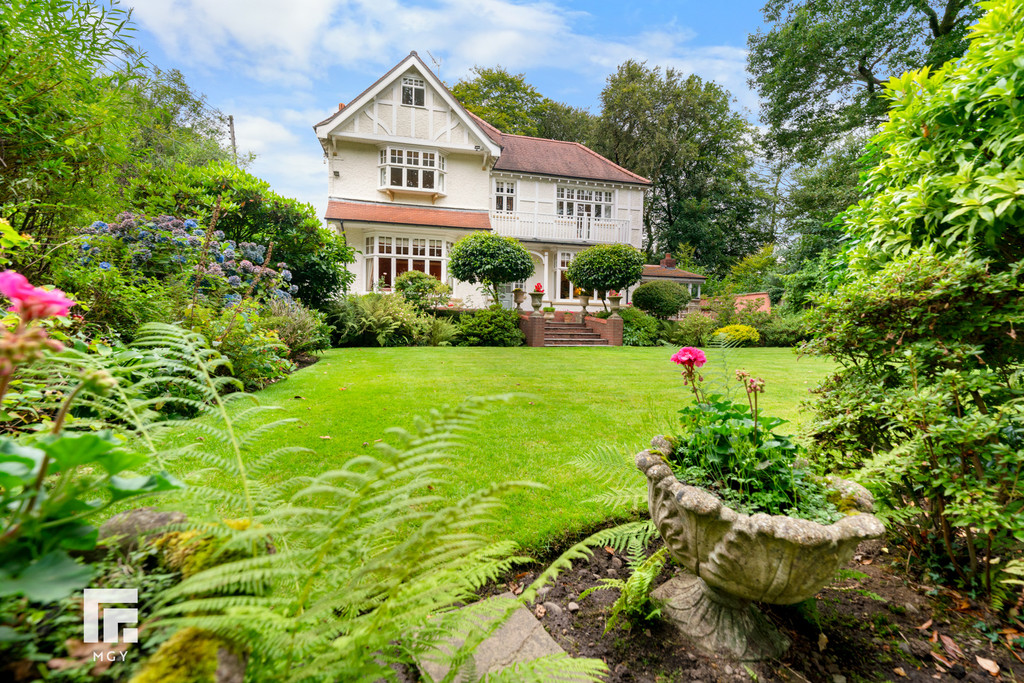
(490, 260)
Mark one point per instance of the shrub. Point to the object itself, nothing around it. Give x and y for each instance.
(781, 330)
(491, 260)
(112, 301)
(388, 320)
(743, 335)
(694, 329)
(638, 328)
(661, 298)
(440, 332)
(258, 356)
(302, 329)
(342, 315)
(422, 290)
(492, 326)
(605, 267)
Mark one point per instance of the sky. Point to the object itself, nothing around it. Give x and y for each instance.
(279, 66)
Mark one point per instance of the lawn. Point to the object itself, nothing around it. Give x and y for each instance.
(569, 401)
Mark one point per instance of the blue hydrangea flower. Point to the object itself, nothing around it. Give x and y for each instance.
(99, 225)
(104, 265)
(218, 234)
(286, 275)
(178, 258)
(220, 258)
(293, 289)
(199, 232)
(189, 224)
(235, 281)
(86, 246)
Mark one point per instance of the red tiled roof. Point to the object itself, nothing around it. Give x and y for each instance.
(368, 212)
(524, 154)
(662, 271)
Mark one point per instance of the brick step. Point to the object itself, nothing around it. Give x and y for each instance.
(548, 333)
(575, 342)
(571, 337)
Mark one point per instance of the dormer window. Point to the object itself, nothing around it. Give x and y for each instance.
(411, 169)
(413, 92)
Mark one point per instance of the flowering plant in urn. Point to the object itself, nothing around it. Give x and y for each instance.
(735, 509)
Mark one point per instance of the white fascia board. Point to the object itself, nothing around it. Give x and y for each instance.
(326, 129)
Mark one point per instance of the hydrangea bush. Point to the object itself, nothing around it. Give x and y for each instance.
(166, 246)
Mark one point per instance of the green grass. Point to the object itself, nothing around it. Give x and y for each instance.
(573, 399)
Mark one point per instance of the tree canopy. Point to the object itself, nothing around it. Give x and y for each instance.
(820, 67)
(680, 132)
(491, 260)
(606, 266)
(504, 100)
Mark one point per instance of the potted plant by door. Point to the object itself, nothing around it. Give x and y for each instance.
(734, 509)
(537, 298)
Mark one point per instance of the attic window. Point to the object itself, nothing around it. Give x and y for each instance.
(413, 92)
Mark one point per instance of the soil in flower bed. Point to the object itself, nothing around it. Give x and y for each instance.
(873, 625)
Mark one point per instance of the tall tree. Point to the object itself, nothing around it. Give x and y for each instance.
(559, 121)
(503, 99)
(681, 133)
(820, 66)
(63, 70)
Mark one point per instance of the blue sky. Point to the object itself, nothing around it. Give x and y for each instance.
(279, 66)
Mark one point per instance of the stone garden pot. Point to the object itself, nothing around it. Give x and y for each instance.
(736, 559)
(584, 302)
(536, 300)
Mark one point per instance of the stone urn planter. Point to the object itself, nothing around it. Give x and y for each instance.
(615, 299)
(736, 559)
(518, 296)
(536, 300)
(584, 302)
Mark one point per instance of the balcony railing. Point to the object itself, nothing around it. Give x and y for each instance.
(552, 228)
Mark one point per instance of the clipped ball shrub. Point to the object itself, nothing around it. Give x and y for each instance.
(742, 335)
(661, 298)
(606, 266)
(490, 327)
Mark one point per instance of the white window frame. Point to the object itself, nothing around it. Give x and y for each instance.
(415, 91)
(505, 199)
(583, 201)
(412, 166)
(394, 248)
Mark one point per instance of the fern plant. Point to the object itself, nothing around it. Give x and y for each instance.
(368, 566)
(634, 602)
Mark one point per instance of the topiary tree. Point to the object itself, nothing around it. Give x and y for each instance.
(606, 266)
(490, 260)
(661, 298)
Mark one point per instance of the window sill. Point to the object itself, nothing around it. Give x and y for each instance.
(391, 192)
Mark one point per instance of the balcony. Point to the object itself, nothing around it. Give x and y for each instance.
(552, 228)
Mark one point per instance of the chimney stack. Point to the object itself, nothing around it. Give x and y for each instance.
(668, 261)
(341, 105)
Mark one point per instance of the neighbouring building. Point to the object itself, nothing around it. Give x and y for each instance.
(410, 171)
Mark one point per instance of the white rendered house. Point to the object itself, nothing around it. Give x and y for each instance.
(410, 171)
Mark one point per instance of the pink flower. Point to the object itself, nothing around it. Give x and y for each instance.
(31, 302)
(690, 357)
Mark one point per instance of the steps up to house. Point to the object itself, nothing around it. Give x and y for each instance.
(571, 334)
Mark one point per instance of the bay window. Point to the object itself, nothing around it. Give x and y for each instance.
(411, 169)
(386, 257)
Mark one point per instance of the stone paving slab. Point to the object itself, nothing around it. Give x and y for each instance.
(520, 639)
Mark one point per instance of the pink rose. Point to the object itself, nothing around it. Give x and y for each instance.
(689, 357)
(32, 303)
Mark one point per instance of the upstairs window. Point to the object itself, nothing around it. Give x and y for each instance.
(411, 169)
(504, 196)
(413, 92)
(581, 202)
